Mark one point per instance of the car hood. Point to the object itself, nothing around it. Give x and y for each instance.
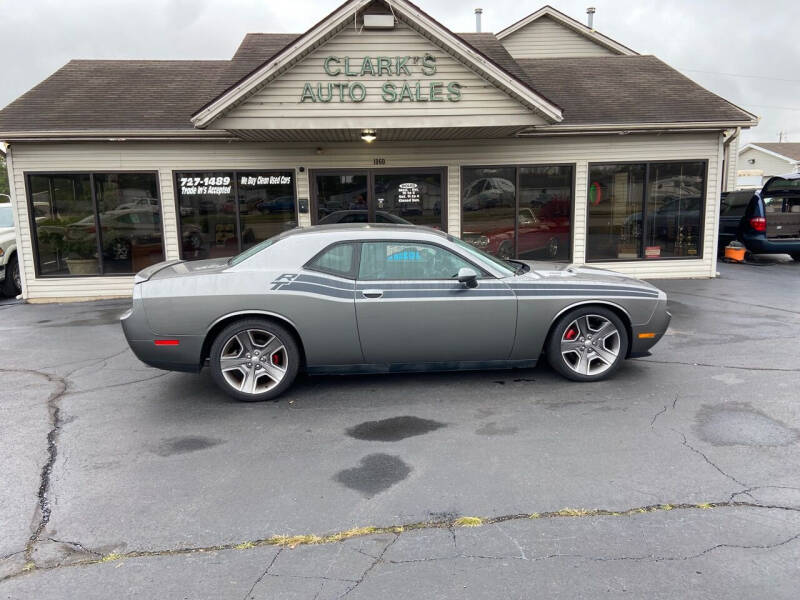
(580, 274)
(7, 234)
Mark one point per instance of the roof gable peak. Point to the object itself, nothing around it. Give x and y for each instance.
(347, 15)
(565, 20)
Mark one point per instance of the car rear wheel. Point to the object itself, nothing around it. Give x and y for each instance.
(12, 284)
(588, 344)
(254, 360)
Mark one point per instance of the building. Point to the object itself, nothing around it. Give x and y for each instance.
(759, 161)
(545, 140)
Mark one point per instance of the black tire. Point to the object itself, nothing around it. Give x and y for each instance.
(291, 355)
(560, 332)
(11, 284)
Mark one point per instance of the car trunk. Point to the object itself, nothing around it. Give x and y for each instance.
(783, 218)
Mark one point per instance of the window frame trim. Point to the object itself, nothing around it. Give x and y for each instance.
(91, 173)
(237, 212)
(647, 163)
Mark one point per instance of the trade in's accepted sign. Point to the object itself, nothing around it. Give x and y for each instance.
(419, 90)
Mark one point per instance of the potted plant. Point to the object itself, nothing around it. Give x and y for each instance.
(80, 254)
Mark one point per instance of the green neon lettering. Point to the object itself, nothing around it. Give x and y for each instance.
(436, 91)
(347, 70)
(428, 65)
(406, 92)
(384, 65)
(326, 64)
(400, 65)
(308, 93)
(330, 93)
(454, 91)
(388, 92)
(366, 67)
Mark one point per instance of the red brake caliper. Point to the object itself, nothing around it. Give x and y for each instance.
(571, 333)
(276, 359)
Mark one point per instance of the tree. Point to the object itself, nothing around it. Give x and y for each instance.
(3, 176)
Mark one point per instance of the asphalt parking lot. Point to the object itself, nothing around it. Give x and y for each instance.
(680, 477)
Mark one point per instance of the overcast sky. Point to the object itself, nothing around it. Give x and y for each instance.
(743, 50)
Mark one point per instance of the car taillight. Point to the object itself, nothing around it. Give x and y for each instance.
(758, 223)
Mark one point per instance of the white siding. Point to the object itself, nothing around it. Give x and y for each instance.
(769, 164)
(277, 105)
(546, 38)
(167, 157)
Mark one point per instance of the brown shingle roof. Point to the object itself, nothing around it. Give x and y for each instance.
(788, 149)
(625, 89)
(88, 95)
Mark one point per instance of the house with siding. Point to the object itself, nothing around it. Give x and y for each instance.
(545, 141)
(758, 161)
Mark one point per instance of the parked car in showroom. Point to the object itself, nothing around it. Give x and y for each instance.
(731, 210)
(771, 222)
(383, 298)
(10, 282)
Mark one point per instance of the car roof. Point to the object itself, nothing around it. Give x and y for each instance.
(366, 230)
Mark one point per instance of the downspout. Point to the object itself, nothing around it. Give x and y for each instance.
(18, 222)
(726, 157)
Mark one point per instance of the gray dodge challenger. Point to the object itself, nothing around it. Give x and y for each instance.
(383, 298)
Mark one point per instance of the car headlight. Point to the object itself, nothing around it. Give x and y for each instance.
(482, 242)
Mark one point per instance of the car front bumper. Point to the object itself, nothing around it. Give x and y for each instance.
(647, 335)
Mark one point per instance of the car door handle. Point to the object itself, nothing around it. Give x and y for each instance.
(372, 293)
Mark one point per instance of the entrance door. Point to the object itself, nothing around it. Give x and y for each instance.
(403, 196)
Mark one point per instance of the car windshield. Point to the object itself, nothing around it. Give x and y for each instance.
(252, 251)
(506, 268)
(6, 217)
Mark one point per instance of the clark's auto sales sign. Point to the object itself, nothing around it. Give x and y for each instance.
(413, 80)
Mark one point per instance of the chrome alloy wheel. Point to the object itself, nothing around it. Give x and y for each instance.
(590, 344)
(253, 361)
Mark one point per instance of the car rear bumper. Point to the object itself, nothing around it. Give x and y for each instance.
(171, 353)
(760, 244)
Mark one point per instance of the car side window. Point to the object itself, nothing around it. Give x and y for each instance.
(734, 204)
(408, 260)
(337, 259)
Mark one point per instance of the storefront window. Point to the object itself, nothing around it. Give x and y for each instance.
(645, 211)
(674, 202)
(130, 221)
(115, 230)
(488, 205)
(614, 225)
(223, 212)
(545, 213)
(518, 212)
(266, 205)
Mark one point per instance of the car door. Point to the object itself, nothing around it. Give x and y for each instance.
(411, 308)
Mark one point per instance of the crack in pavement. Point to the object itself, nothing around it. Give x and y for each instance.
(698, 364)
(638, 558)
(372, 565)
(747, 491)
(284, 542)
(54, 411)
(708, 460)
(264, 574)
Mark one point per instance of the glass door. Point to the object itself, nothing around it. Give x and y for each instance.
(342, 197)
(407, 196)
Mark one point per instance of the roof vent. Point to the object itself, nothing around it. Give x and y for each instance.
(590, 17)
(378, 21)
(478, 12)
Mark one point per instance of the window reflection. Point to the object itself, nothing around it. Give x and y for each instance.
(266, 205)
(488, 202)
(674, 203)
(614, 226)
(130, 221)
(64, 219)
(414, 198)
(207, 214)
(545, 213)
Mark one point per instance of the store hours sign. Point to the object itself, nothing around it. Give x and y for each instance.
(412, 79)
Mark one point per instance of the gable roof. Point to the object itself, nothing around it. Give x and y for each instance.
(569, 22)
(628, 90)
(789, 151)
(342, 17)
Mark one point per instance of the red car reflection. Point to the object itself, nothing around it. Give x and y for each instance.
(544, 232)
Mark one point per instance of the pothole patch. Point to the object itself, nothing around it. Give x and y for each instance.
(739, 424)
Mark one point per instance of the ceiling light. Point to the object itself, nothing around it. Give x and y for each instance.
(368, 135)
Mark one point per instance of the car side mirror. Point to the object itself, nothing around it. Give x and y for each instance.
(468, 277)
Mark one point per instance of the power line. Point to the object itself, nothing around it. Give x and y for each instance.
(774, 107)
(740, 75)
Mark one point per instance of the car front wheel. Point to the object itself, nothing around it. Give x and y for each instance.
(12, 285)
(254, 360)
(588, 344)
